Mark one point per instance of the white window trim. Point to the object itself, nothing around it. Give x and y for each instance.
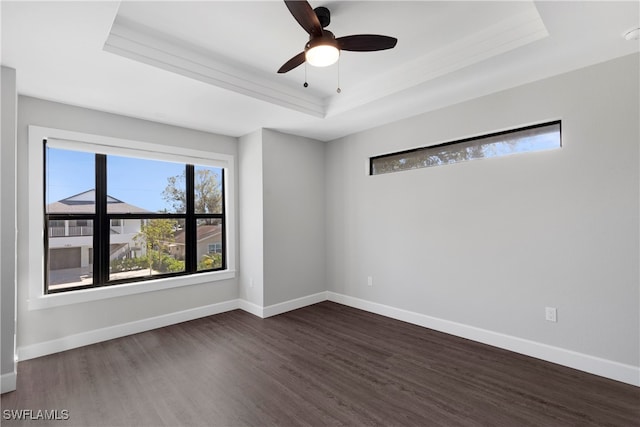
(37, 299)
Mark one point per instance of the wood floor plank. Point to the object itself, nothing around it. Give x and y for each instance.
(323, 365)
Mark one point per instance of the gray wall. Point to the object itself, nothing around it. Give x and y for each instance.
(489, 243)
(294, 241)
(282, 243)
(38, 326)
(8, 226)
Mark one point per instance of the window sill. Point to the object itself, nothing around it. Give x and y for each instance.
(96, 294)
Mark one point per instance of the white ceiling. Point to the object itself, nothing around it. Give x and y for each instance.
(212, 65)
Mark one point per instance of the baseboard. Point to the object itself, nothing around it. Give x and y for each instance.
(610, 369)
(8, 382)
(294, 304)
(91, 337)
(117, 331)
(250, 307)
(594, 365)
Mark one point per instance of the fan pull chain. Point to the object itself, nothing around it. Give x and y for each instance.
(338, 90)
(305, 75)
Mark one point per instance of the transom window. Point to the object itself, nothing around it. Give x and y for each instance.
(112, 219)
(544, 136)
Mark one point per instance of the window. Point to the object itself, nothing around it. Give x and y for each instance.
(113, 219)
(85, 146)
(533, 138)
(215, 248)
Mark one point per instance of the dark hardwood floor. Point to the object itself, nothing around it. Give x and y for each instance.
(325, 364)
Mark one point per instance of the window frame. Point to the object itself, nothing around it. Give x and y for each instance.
(38, 298)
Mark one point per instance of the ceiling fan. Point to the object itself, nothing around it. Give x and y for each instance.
(323, 48)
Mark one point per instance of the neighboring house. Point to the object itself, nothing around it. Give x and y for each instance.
(71, 241)
(209, 241)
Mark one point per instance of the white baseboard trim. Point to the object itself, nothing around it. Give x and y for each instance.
(117, 331)
(8, 382)
(251, 308)
(98, 335)
(610, 369)
(594, 365)
(294, 304)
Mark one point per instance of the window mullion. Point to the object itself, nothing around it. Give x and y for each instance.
(190, 223)
(101, 225)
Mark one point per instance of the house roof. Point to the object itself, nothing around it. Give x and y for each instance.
(85, 203)
(205, 232)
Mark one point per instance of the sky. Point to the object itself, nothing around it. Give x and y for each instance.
(138, 182)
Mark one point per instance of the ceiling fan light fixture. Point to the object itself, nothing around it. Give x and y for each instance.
(323, 48)
(322, 55)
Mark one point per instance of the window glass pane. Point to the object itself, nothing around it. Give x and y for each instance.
(209, 244)
(141, 241)
(518, 141)
(140, 185)
(146, 247)
(208, 190)
(69, 181)
(70, 254)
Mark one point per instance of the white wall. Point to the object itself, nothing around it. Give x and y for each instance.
(8, 115)
(294, 240)
(250, 218)
(489, 243)
(37, 327)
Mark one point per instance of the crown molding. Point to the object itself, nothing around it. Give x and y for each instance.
(142, 44)
(511, 33)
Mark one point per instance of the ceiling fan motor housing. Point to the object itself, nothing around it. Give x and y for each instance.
(324, 16)
(327, 38)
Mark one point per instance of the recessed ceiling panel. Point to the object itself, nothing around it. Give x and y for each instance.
(238, 46)
(212, 65)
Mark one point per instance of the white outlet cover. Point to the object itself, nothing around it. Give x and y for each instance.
(551, 314)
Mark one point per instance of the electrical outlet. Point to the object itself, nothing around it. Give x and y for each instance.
(369, 281)
(551, 314)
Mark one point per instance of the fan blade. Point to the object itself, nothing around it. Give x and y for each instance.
(306, 17)
(366, 42)
(292, 63)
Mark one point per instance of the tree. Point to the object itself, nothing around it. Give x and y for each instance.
(156, 235)
(209, 261)
(207, 189)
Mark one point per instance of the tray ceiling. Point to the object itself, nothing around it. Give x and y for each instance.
(211, 65)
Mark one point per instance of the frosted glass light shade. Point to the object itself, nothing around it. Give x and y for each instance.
(322, 55)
